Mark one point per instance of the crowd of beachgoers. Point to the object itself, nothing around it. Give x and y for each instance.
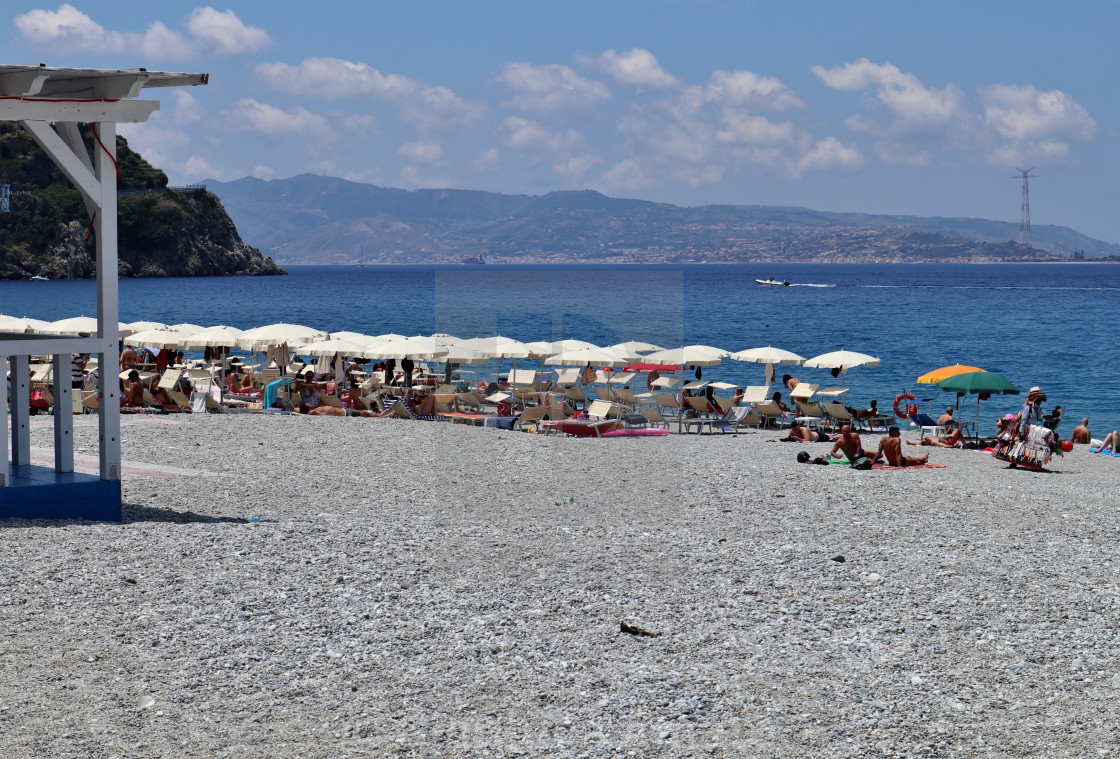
(570, 386)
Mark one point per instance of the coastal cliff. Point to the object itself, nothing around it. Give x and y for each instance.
(162, 231)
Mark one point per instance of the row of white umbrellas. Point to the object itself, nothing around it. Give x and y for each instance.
(302, 339)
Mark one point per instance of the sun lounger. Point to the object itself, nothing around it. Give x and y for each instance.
(329, 400)
(468, 400)
(602, 410)
(180, 400)
(531, 416)
(810, 414)
(772, 414)
(803, 391)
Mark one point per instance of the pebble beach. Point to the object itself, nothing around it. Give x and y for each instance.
(335, 587)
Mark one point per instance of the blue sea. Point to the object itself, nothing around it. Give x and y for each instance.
(1048, 325)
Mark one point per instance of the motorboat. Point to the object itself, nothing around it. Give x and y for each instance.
(37, 278)
(773, 282)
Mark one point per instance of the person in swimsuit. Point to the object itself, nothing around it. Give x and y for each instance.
(798, 432)
(952, 440)
(890, 448)
(849, 443)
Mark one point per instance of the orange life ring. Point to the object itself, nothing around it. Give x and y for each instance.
(911, 408)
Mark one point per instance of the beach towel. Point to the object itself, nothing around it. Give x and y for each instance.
(1098, 450)
(888, 467)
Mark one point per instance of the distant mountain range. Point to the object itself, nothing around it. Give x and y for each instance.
(311, 219)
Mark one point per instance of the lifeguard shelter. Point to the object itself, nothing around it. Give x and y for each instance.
(50, 103)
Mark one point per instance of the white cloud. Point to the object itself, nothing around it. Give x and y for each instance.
(161, 43)
(574, 166)
(637, 68)
(551, 88)
(335, 78)
(361, 125)
(746, 88)
(429, 152)
(188, 110)
(262, 172)
(272, 120)
(154, 141)
(225, 32)
(70, 26)
(913, 105)
(487, 159)
(742, 128)
(625, 175)
(1022, 113)
(530, 135)
(71, 30)
(829, 154)
(198, 167)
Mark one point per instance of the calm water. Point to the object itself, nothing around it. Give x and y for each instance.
(1046, 325)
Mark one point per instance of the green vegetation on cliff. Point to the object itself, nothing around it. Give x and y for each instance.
(161, 232)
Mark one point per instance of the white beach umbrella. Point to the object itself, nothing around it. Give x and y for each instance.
(277, 334)
(187, 328)
(22, 324)
(457, 353)
(498, 347)
(767, 355)
(356, 337)
(332, 347)
(585, 356)
(690, 355)
(770, 356)
(540, 349)
(842, 361)
(73, 326)
(385, 338)
(157, 338)
(422, 348)
(140, 326)
(560, 346)
(636, 346)
(214, 337)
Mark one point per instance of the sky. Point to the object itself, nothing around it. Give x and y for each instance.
(879, 107)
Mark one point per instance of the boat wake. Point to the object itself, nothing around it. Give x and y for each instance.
(808, 284)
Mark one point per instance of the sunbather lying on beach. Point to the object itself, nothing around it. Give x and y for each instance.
(952, 440)
(1111, 440)
(333, 411)
(890, 448)
(798, 432)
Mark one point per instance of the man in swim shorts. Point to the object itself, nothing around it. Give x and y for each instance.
(798, 432)
(849, 443)
(890, 448)
(1081, 434)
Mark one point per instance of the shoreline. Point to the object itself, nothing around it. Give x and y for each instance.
(436, 589)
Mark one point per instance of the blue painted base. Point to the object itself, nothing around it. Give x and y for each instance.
(38, 492)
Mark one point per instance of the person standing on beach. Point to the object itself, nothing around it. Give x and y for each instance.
(77, 370)
(1081, 434)
(128, 358)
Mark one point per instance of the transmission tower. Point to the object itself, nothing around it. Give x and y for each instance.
(1025, 212)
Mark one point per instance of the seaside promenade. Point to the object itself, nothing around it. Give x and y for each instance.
(323, 587)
